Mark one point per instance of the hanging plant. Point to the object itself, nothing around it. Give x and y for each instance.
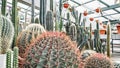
(66, 5)
(98, 10)
(85, 13)
(91, 19)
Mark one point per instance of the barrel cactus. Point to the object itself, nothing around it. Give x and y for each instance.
(27, 36)
(51, 50)
(98, 60)
(6, 34)
(49, 21)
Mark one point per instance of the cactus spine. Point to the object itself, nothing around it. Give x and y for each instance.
(3, 8)
(52, 50)
(49, 21)
(108, 40)
(42, 14)
(98, 60)
(15, 57)
(14, 19)
(8, 59)
(6, 34)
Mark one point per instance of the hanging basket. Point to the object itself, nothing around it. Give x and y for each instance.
(66, 5)
(98, 10)
(91, 19)
(85, 13)
(118, 28)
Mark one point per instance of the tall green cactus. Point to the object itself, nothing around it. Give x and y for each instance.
(73, 32)
(14, 19)
(36, 21)
(108, 41)
(92, 47)
(42, 14)
(8, 59)
(6, 34)
(67, 25)
(3, 8)
(32, 13)
(49, 21)
(51, 5)
(15, 57)
(60, 10)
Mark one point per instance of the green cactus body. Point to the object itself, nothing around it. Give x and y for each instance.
(42, 10)
(49, 21)
(108, 41)
(73, 32)
(6, 34)
(27, 36)
(8, 59)
(36, 21)
(3, 8)
(15, 57)
(98, 60)
(51, 5)
(51, 50)
(92, 47)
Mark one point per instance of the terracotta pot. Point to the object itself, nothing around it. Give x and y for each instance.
(85, 13)
(91, 19)
(66, 5)
(98, 10)
(102, 31)
(118, 28)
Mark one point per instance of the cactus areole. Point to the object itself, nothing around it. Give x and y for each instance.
(66, 5)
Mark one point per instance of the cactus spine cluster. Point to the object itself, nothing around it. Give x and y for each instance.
(6, 34)
(42, 10)
(27, 36)
(12, 59)
(49, 21)
(98, 60)
(51, 50)
(108, 40)
(3, 8)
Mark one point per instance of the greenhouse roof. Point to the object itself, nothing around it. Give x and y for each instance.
(110, 8)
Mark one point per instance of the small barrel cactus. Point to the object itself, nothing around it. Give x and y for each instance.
(49, 21)
(98, 60)
(73, 32)
(51, 50)
(27, 36)
(6, 34)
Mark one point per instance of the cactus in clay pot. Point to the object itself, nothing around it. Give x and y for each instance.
(98, 60)
(6, 34)
(27, 36)
(51, 50)
(49, 21)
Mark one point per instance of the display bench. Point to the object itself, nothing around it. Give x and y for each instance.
(115, 37)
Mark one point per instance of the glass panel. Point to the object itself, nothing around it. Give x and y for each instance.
(108, 12)
(116, 16)
(109, 2)
(110, 17)
(118, 9)
(101, 19)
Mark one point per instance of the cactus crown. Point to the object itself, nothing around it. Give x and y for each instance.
(51, 50)
(6, 34)
(98, 60)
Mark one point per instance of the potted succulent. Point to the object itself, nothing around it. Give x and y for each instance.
(118, 28)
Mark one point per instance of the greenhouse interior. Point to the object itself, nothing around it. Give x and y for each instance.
(59, 33)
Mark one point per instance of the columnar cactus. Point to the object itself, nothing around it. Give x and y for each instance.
(73, 32)
(6, 34)
(3, 8)
(15, 57)
(42, 10)
(49, 21)
(92, 47)
(108, 40)
(98, 60)
(27, 36)
(8, 59)
(51, 50)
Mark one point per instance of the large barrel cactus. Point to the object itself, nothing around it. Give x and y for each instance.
(98, 60)
(27, 36)
(49, 21)
(6, 34)
(51, 50)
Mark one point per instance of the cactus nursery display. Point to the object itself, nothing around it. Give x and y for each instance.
(27, 36)
(51, 50)
(6, 34)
